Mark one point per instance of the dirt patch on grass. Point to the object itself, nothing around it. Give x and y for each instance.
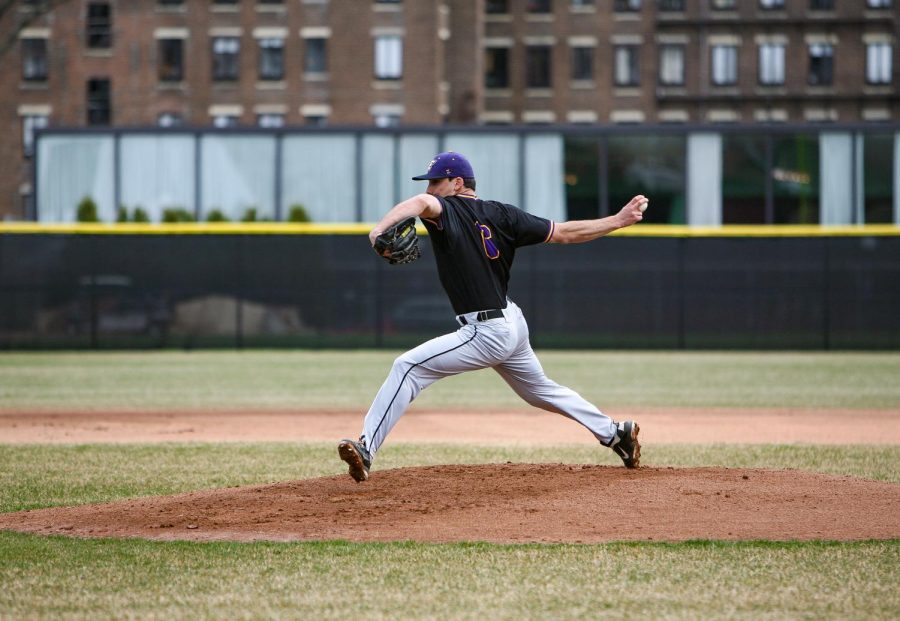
(503, 503)
(525, 426)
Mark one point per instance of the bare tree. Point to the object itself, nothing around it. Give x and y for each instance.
(20, 20)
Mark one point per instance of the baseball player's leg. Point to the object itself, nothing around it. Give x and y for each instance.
(525, 375)
(464, 350)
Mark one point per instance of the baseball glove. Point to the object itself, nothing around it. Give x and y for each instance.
(399, 243)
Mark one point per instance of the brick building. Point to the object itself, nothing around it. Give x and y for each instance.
(274, 63)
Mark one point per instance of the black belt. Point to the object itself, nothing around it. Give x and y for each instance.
(494, 313)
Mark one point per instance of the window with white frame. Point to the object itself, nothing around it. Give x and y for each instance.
(671, 65)
(724, 65)
(271, 58)
(771, 4)
(878, 62)
(626, 66)
(821, 64)
(771, 63)
(30, 123)
(34, 59)
(388, 57)
(879, 4)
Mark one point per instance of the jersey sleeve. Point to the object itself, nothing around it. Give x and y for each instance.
(529, 229)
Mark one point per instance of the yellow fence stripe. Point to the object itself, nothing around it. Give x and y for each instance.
(285, 228)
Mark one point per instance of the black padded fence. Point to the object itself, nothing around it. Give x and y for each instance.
(98, 291)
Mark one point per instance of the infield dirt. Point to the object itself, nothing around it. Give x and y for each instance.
(503, 503)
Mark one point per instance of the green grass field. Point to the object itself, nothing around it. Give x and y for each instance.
(59, 577)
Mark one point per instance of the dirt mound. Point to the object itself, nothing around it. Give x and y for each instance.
(504, 503)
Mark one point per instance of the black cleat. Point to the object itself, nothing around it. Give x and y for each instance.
(357, 457)
(626, 444)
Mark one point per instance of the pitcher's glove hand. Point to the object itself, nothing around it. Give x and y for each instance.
(399, 243)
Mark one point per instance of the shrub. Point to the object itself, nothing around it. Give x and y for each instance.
(216, 215)
(298, 213)
(140, 215)
(177, 214)
(87, 210)
(249, 215)
(122, 214)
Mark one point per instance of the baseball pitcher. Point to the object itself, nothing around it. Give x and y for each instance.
(475, 243)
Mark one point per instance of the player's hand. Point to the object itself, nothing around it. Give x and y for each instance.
(633, 212)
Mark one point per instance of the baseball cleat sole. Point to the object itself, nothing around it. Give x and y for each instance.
(636, 459)
(357, 468)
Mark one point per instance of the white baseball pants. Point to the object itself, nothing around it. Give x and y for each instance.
(498, 343)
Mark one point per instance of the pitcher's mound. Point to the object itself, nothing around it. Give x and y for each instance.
(504, 503)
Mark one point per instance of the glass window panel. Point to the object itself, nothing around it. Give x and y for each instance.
(626, 65)
(271, 59)
(238, 173)
(316, 58)
(671, 65)
(30, 123)
(724, 65)
(157, 172)
(582, 161)
(540, 6)
(878, 177)
(34, 59)
(315, 170)
(582, 63)
(743, 179)
(878, 63)
(649, 165)
(795, 179)
(538, 66)
(771, 64)
(388, 57)
(821, 64)
(496, 6)
(171, 60)
(496, 67)
(225, 58)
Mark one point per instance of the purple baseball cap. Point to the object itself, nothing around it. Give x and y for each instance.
(447, 165)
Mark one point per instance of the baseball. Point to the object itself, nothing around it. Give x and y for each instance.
(643, 205)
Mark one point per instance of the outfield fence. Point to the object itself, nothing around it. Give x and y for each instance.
(198, 286)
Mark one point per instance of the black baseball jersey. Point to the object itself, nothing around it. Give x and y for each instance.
(474, 244)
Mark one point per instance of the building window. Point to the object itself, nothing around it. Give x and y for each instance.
(821, 5)
(271, 59)
(771, 4)
(315, 59)
(627, 5)
(224, 121)
(537, 66)
(30, 123)
(496, 67)
(540, 6)
(879, 4)
(225, 1)
(34, 60)
(99, 108)
(225, 58)
(171, 60)
(878, 63)
(771, 63)
(724, 65)
(671, 5)
(821, 64)
(169, 119)
(316, 120)
(581, 3)
(583, 63)
(671, 65)
(723, 5)
(99, 25)
(626, 65)
(270, 120)
(494, 7)
(386, 120)
(171, 2)
(389, 57)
